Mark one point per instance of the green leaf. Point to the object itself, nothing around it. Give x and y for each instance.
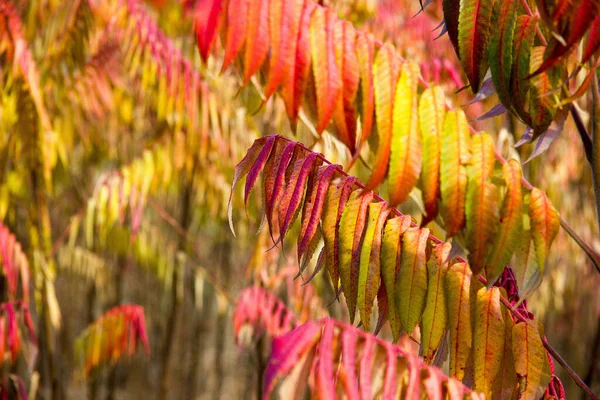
(474, 26)
(501, 48)
(435, 318)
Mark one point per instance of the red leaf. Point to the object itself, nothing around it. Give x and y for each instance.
(384, 79)
(284, 22)
(365, 50)
(294, 192)
(206, 21)
(257, 40)
(243, 167)
(344, 114)
(578, 25)
(287, 350)
(593, 43)
(237, 18)
(313, 207)
(348, 368)
(293, 86)
(325, 378)
(328, 80)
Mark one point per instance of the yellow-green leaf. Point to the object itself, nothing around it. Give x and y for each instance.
(335, 204)
(545, 223)
(391, 253)
(531, 360)
(526, 267)
(384, 81)
(369, 277)
(407, 147)
(458, 282)
(506, 380)
(488, 339)
(432, 109)
(350, 239)
(481, 201)
(411, 286)
(435, 318)
(511, 221)
(453, 172)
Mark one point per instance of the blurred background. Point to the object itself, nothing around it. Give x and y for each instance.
(117, 149)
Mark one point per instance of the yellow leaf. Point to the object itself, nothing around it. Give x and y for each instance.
(369, 278)
(458, 282)
(488, 339)
(391, 253)
(511, 221)
(432, 109)
(481, 200)
(545, 223)
(531, 360)
(453, 172)
(407, 146)
(411, 286)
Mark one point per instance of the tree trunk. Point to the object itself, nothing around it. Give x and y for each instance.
(173, 321)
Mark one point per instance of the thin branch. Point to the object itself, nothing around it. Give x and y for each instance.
(583, 133)
(209, 277)
(504, 301)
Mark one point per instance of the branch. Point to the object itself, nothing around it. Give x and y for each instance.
(483, 280)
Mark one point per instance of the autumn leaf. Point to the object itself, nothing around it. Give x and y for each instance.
(453, 171)
(369, 277)
(333, 208)
(458, 282)
(501, 48)
(488, 338)
(328, 79)
(545, 223)
(432, 110)
(511, 221)
(435, 316)
(474, 25)
(384, 81)
(350, 240)
(481, 201)
(531, 360)
(406, 146)
(391, 256)
(411, 284)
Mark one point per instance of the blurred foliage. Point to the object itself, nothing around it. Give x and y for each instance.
(117, 149)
